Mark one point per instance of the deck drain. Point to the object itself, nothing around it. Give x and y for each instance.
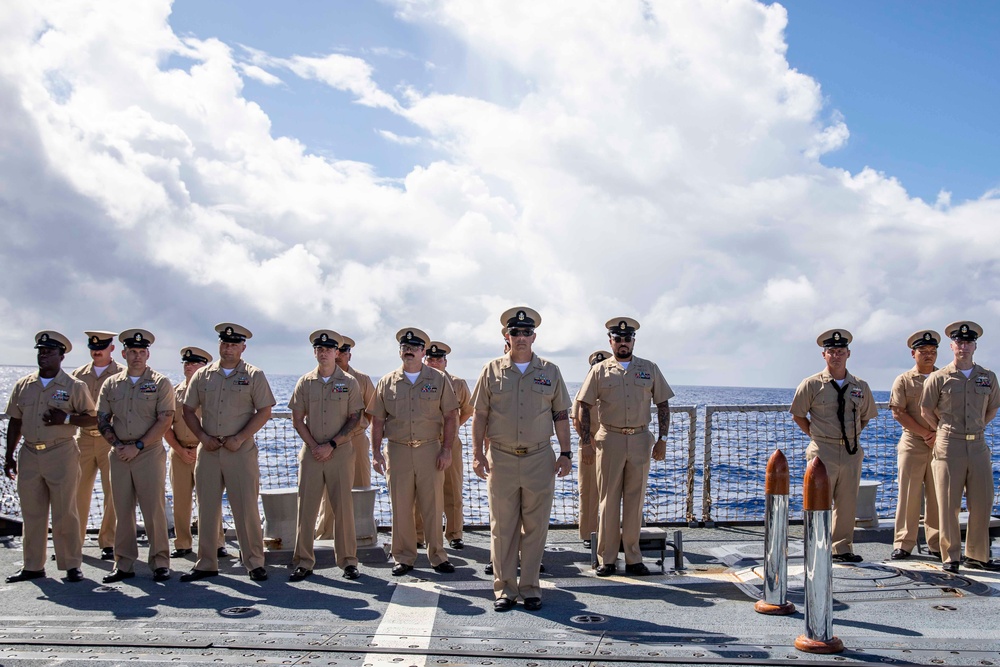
(557, 549)
(105, 589)
(588, 618)
(238, 611)
(944, 607)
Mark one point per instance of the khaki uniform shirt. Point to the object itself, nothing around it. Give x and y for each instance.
(961, 403)
(228, 403)
(413, 411)
(327, 405)
(905, 396)
(464, 395)
(367, 393)
(184, 435)
(816, 397)
(29, 400)
(520, 406)
(93, 381)
(135, 407)
(625, 394)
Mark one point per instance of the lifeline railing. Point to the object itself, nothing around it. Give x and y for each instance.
(721, 481)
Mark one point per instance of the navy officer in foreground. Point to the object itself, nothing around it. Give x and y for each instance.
(832, 407)
(46, 407)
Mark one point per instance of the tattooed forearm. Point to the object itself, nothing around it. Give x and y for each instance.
(584, 414)
(663, 418)
(562, 415)
(104, 426)
(348, 426)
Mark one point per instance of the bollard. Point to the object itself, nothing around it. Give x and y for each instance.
(776, 539)
(817, 502)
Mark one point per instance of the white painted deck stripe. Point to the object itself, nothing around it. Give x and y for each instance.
(407, 623)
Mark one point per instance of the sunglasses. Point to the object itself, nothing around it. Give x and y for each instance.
(627, 338)
(520, 333)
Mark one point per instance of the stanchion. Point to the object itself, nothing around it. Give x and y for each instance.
(817, 502)
(776, 539)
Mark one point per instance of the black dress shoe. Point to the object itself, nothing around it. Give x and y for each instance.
(107, 553)
(489, 568)
(637, 569)
(934, 554)
(586, 544)
(457, 543)
(25, 575)
(180, 553)
(222, 553)
(532, 604)
(399, 569)
(950, 567)
(195, 575)
(444, 568)
(847, 558)
(606, 570)
(351, 572)
(299, 574)
(117, 575)
(899, 554)
(161, 574)
(503, 604)
(988, 565)
(74, 574)
(258, 574)
(541, 567)
(421, 545)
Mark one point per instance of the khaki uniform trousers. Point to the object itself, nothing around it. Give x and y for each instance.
(362, 471)
(49, 478)
(454, 521)
(963, 465)
(622, 472)
(182, 485)
(520, 490)
(414, 479)
(332, 480)
(844, 472)
(589, 498)
(141, 481)
(239, 474)
(916, 490)
(94, 453)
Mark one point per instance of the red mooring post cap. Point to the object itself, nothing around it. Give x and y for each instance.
(816, 494)
(776, 478)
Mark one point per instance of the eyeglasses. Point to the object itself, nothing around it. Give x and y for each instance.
(627, 338)
(520, 333)
(407, 346)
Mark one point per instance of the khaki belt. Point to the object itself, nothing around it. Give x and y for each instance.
(43, 446)
(963, 436)
(522, 450)
(186, 446)
(629, 430)
(412, 443)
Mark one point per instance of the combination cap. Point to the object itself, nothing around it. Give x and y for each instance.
(412, 336)
(99, 340)
(195, 355)
(325, 338)
(835, 338)
(621, 325)
(963, 330)
(136, 338)
(53, 339)
(598, 357)
(923, 338)
(232, 333)
(346, 343)
(520, 317)
(437, 349)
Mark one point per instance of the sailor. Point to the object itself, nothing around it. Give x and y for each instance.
(518, 399)
(359, 438)
(326, 406)
(915, 479)
(436, 356)
(958, 401)
(832, 407)
(235, 400)
(183, 454)
(413, 407)
(625, 386)
(94, 449)
(586, 471)
(134, 409)
(46, 408)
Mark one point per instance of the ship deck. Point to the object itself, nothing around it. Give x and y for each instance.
(906, 612)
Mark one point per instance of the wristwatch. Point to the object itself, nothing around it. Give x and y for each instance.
(568, 455)
(139, 445)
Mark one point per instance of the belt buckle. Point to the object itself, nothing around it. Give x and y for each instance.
(521, 451)
(413, 443)
(969, 436)
(628, 431)
(39, 447)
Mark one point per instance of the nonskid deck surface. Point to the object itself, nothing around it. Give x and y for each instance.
(886, 612)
